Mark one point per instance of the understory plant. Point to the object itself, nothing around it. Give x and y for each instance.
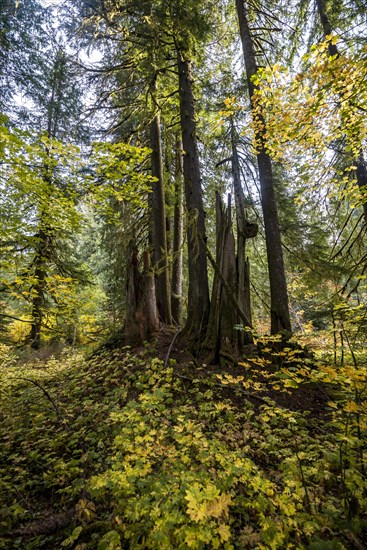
(123, 451)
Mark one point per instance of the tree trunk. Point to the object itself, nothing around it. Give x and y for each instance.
(176, 286)
(142, 318)
(362, 181)
(280, 319)
(38, 289)
(326, 27)
(221, 340)
(243, 268)
(198, 294)
(159, 236)
(42, 249)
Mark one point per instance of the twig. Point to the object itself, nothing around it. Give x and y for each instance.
(15, 318)
(38, 385)
(170, 348)
(45, 526)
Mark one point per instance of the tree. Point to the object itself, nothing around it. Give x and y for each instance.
(155, 35)
(361, 165)
(34, 240)
(178, 229)
(20, 26)
(280, 319)
(245, 230)
(128, 86)
(159, 236)
(198, 294)
(315, 127)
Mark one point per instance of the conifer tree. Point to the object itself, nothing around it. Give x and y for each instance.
(52, 113)
(280, 318)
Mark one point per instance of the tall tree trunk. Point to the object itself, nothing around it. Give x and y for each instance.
(38, 289)
(159, 236)
(362, 181)
(326, 27)
(243, 267)
(142, 318)
(176, 285)
(221, 342)
(198, 294)
(280, 319)
(361, 171)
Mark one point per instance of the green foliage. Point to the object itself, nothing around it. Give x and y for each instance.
(44, 185)
(117, 165)
(149, 457)
(310, 111)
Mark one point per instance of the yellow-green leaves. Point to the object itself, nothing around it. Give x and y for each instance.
(206, 502)
(148, 458)
(49, 191)
(308, 111)
(110, 541)
(115, 171)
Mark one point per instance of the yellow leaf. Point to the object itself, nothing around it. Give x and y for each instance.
(219, 507)
(224, 532)
(351, 406)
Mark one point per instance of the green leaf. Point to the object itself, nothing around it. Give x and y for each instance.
(73, 537)
(110, 541)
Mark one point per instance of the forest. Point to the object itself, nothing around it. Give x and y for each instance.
(183, 274)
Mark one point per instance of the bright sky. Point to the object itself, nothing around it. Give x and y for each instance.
(51, 2)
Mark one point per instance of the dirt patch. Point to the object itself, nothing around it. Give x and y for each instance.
(171, 344)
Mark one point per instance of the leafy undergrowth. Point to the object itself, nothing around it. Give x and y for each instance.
(121, 451)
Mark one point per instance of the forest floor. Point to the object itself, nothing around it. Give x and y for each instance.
(145, 448)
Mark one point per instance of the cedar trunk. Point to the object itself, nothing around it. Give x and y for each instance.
(221, 342)
(280, 319)
(243, 267)
(176, 285)
(142, 318)
(159, 237)
(198, 293)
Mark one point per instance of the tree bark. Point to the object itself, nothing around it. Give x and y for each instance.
(38, 289)
(159, 236)
(243, 268)
(326, 27)
(142, 318)
(221, 342)
(176, 285)
(280, 319)
(198, 293)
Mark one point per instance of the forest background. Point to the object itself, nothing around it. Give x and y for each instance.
(180, 174)
(102, 139)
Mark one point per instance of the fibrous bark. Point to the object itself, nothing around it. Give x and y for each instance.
(159, 237)
(176, 284)
(198, 293)
(280, 319)
(221, 340)
(142, 318)
(243, 266)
